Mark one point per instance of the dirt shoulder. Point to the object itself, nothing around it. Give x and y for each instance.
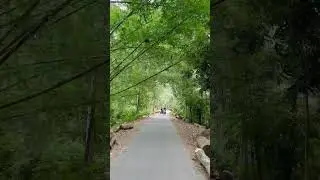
(124, 137)
(188, 133)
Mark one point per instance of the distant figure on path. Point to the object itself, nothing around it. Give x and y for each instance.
(164, 110)
(161, 112)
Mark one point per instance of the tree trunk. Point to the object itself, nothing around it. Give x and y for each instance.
(244, 159)
(306, 146)
(199, 116)
(186, 110)
(138, 102)
(90, 123)
(190, 110)
(258, 158)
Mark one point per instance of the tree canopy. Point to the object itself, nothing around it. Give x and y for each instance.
(151, 48)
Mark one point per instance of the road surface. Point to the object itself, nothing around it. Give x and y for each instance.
(156, 153)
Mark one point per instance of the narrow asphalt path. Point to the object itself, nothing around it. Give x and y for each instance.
(156, 153)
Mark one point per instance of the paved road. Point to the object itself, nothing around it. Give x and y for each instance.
(156, 153)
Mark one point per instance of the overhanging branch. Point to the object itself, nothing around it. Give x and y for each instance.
(59, 84)
(147, 78)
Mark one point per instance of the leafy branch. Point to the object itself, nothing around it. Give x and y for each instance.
(140, 82)
(150, 47)
(59, 84)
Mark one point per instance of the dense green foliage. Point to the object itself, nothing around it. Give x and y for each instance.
(46, 51)
(254, 81)
(151, 49)
(262, 71)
